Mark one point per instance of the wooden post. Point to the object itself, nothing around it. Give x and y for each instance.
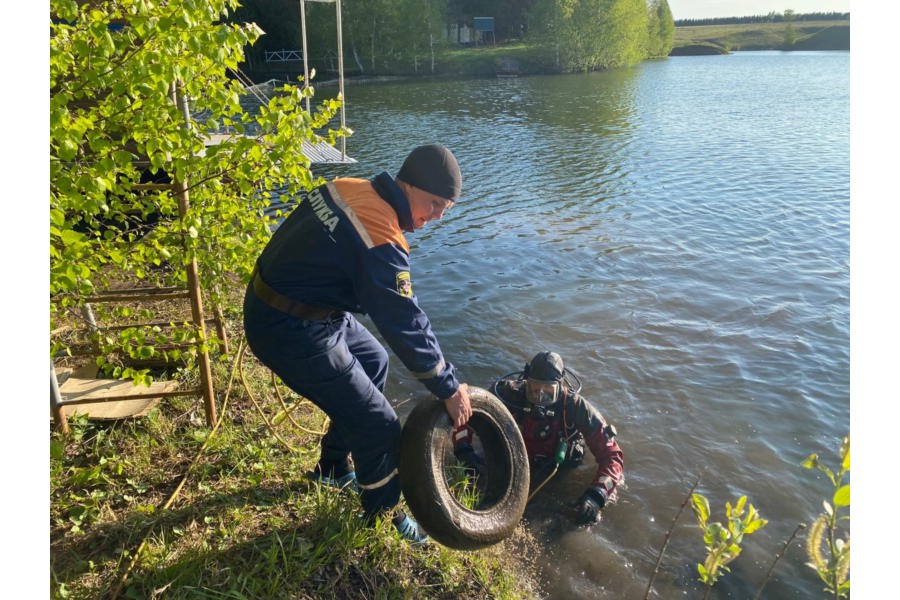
(220, 329)
(181, 187)
(56, 410)
(88, 313)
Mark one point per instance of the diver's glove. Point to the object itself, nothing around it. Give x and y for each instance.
(588, 507)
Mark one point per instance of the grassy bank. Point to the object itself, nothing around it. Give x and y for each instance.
(167, 506)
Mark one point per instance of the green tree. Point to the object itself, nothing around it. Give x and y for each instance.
(790, 34)
(114, 66)
(624, 29)
(660, 29)
(586, 35)
(418, 30)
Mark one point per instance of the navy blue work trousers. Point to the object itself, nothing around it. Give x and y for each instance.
(342, 368)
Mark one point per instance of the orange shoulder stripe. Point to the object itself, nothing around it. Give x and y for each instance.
(378, 218)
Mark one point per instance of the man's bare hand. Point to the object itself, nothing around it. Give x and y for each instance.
(458, 406)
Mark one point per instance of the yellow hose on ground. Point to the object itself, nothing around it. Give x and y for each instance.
(259, 408)
(287, 411)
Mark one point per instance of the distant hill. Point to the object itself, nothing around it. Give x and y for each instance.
(723, 38)
(769, 18)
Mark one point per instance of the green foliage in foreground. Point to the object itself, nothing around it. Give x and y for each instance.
(116, 69)
(829, 554)
(828, 551)
(723, 542)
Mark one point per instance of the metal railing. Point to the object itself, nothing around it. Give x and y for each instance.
(283, 55)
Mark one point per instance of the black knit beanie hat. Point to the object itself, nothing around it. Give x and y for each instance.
(433, 168)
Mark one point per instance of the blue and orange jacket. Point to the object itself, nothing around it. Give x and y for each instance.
(343, 248)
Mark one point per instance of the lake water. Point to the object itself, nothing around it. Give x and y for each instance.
(680, 232)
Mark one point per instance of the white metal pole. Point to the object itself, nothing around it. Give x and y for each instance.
(340, 47)
(303, 35)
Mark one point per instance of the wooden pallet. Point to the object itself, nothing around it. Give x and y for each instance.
(109, 399)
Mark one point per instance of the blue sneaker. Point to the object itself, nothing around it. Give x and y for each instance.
(347, 481)
(409, 530)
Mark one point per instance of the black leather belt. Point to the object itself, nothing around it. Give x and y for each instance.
(307, 312)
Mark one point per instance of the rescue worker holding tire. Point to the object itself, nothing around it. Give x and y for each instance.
(343, 251)
(556, 423)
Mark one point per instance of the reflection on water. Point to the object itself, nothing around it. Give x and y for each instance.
(679, 232)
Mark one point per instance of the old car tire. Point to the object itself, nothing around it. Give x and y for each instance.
(426, 444)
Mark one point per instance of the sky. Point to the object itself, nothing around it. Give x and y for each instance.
(700, 9)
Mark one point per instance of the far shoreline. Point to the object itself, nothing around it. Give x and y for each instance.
(690, 40)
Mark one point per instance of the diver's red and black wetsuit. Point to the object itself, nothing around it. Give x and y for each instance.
(571, 418)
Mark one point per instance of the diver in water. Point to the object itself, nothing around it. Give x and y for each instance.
(556, 424)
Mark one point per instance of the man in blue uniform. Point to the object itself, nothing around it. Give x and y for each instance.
(343, 251)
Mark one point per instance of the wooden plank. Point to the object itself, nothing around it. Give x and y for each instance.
(136, 295)
(115, 399)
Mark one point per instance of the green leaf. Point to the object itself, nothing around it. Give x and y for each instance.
(70, 237)
(57, 449)
(842, 496)
(721, 532)
(115, 117)
(755, 525)
(811, 461)
(701, 507)
(67, 149)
